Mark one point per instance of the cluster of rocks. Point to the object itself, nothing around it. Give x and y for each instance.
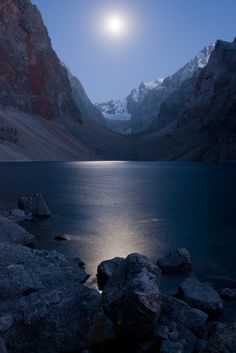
(30, 207)
(46, 307)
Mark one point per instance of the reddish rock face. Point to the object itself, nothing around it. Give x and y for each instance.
(31, 76)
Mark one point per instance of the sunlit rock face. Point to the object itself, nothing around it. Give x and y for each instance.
(31, 76)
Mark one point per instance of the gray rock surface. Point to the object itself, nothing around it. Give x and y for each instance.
(201, 296)
(44, 306)
(175, 261)
(106, 269)
(11, 232)
(131, 296)
(178, 313)
(34, 205)
(17, 215)
(223, 340)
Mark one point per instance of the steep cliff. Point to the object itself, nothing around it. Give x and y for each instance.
(31, 76)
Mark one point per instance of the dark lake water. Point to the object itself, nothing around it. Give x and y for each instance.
(115, 208)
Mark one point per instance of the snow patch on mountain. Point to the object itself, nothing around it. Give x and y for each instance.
(121, 109)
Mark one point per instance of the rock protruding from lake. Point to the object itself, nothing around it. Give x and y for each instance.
(106, 269)
(201, 295)
(131, 296)
(175, 261)
(34, 205)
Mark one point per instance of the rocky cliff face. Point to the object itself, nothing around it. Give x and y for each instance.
(31, 76)
(45, 113)
(197, 121)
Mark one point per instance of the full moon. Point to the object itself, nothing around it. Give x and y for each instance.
(115, 25)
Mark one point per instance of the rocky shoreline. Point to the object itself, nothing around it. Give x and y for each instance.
(46, 307)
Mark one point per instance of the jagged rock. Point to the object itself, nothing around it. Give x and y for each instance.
(106, 269)
(11, 232)
(34, 205)
(228, 294)
(131, 296)
(175, 261)
(223, 340)
(201, 296)
(177, 312)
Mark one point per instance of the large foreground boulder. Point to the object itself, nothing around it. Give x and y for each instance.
(201, 296)
(11, 232)
(175, 261)
(131, 296)
(65, 319)
(223, 340)
(106, 269)
(34, 205)
(44, 306)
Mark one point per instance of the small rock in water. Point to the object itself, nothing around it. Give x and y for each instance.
(175, 261)
(35, 205)
(62, 237)
(201, 296)
(228, 294)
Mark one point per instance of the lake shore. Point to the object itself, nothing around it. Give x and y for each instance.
(46, 307)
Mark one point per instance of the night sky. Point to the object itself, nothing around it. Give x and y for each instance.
(159, 36)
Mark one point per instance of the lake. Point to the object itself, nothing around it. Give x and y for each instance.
(116, 208)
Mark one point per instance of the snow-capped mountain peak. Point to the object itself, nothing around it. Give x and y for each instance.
(124, 110)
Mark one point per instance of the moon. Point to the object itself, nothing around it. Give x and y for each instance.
(115, 25)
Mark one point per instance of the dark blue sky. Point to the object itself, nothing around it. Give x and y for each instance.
(162, 36)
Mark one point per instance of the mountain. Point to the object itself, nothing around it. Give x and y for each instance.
(142, 105)
(198, 121)
(45, 113)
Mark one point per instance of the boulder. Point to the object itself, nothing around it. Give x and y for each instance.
(106, 269)
(13, 233)
(44, 305)
(176, 313)
(34, 205)
(201, 296)
(65, 319)
(18, 215)
(228, 294)
(223, 340)
(131, 297)
(175, 261)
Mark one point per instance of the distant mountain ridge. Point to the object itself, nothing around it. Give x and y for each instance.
(142, 105)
